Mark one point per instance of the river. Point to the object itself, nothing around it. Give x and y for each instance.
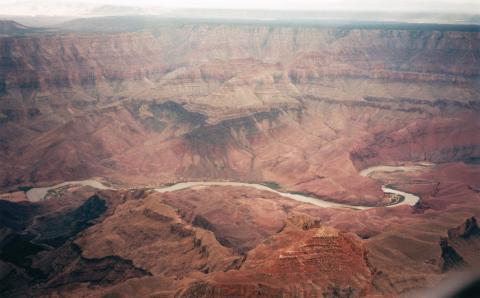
(409, 199)
(38, 194)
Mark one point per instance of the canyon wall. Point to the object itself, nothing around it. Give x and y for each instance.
(304, 109)
(255, 103)
(199, 54)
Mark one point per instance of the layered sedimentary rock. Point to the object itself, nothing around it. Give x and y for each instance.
(142, 241)
(96, 100)
(301, 108)
(402, 54)
(317, 146)
(227, 241)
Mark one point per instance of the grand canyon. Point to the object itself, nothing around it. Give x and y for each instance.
(153, 157)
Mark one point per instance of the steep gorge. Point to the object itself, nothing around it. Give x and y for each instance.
(302, 108)
(255, 103)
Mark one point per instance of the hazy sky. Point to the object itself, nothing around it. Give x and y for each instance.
(316, 4)
(64, 6)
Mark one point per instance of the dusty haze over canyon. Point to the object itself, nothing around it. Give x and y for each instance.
(380, 122)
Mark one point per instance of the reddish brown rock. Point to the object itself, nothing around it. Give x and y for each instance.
(306, 108)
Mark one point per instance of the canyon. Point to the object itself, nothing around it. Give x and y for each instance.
(197, 136)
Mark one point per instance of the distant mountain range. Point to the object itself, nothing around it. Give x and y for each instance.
(11, 27)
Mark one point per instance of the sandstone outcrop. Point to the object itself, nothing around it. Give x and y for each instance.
(304, 109)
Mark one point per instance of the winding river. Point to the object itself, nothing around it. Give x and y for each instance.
(409, 199)
(38, 194)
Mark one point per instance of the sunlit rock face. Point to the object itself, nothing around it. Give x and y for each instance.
(197, 101)
(247, 65)
(305, 109)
